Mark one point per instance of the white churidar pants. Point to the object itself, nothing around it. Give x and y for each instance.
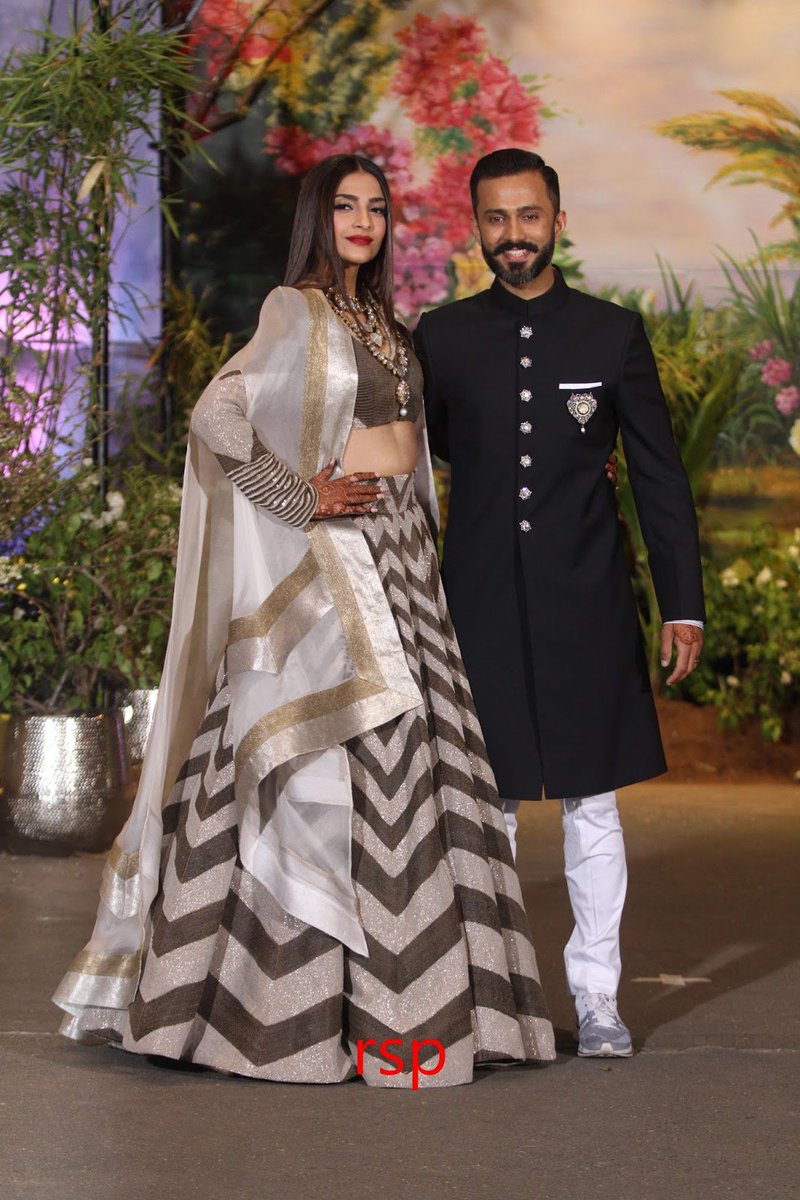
(597, 879)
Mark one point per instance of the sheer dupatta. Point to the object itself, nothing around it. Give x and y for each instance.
(313, 658)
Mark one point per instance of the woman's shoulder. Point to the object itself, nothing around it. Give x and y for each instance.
(294, 300)
(284, 308)
(283, 294)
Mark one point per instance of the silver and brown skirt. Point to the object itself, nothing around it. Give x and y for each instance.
(233, 982)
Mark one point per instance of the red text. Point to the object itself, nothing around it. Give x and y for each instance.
(417, 1067)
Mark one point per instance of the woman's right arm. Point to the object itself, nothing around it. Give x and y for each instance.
(219, 420)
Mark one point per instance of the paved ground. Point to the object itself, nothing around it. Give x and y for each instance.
(708, 1107)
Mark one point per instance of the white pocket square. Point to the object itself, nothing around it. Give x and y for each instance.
(579, 387)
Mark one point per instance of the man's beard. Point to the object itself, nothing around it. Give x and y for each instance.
(519, 277)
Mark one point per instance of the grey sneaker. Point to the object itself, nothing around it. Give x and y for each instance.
(601, 1033)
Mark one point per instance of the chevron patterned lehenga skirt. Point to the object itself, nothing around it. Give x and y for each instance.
(231, 981)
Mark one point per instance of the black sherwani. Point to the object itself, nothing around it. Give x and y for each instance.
(534, 565)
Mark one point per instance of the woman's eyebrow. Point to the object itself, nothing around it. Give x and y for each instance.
(372, 199)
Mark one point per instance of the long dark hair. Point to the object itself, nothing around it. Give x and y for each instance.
(313, 260)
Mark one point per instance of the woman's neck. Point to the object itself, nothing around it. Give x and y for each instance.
(350, 280)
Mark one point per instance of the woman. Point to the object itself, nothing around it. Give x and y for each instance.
(317, 861)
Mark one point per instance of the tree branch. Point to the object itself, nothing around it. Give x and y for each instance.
(251, 93)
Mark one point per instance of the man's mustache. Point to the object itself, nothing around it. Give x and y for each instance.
(504, 247)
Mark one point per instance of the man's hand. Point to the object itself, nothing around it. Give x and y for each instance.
(688, 640)
(350, 496)
(611, 468)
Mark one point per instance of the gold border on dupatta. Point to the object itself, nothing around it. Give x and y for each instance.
(314, 385)
(119, 966)
(122, 864)
(327, 717)
(259, 623)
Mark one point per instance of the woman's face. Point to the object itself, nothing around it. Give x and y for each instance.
(359, 219)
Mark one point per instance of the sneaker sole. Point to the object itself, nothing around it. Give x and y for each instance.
(606, 1050)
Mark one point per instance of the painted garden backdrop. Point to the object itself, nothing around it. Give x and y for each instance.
(675, 129)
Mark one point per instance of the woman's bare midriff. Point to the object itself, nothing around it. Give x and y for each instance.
(385, 449)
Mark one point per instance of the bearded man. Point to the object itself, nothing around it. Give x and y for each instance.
(527, 387)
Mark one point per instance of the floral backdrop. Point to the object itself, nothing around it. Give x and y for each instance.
(425, 89)
(463, 101)
(437, 79)
(650, 112)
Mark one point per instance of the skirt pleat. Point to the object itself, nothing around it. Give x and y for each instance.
(232, 981)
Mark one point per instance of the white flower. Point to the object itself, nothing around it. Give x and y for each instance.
(794, 551)
(89, 482)
(174, 490)
(785, 678)
(115, 501)
(732, 681)
(9, 572)
(781, 583)
(120, 630)
(18, 614)
(794, 436)
(87, 462)
(764, 575)
(729, 578)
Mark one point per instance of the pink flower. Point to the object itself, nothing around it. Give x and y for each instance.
(438, 58)
(761, 350)
(515, 114)
(449, 82)
(776, 371)
(420, 271)
(444, 207)
(296, 151)
(216, 30)
(787, 400)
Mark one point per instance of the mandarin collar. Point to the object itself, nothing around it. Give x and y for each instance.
(549, 301)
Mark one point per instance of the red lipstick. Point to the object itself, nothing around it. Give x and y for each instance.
(360, 240)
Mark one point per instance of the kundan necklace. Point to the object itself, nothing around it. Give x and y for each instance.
(372, 332)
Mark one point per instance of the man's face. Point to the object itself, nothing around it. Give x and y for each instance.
(518, 226)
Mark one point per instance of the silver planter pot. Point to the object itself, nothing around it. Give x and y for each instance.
(137, 708)
(65, 782)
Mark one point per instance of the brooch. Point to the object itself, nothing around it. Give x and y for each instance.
(582, 406)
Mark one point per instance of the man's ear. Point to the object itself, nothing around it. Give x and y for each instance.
(560, 224)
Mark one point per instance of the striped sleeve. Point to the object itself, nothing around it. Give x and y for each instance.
(219, 420)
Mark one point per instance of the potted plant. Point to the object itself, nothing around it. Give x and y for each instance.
(84, 614)
(81, 111)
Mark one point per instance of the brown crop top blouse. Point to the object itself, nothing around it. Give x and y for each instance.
(376, 395)
(220, 420)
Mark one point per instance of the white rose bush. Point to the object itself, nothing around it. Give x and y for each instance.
(750, 667)
(85, 605)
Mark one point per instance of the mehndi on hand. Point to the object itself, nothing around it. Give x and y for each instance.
(351, 496)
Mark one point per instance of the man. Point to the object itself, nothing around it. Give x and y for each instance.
(527, 386)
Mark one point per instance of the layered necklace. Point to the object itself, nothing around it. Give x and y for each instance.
(373, 332)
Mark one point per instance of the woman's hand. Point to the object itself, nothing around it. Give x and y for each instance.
(611, 469)
(687, 640)
(351, 496)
